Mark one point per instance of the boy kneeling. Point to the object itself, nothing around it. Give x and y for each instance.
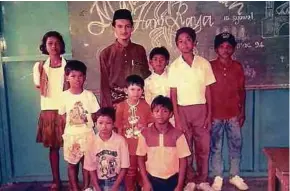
(166, 149)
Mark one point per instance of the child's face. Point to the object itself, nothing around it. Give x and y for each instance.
(105, 126)
(185, 43)
(158, 63)
(225, 50)
(134, 92)
(76, 79)
(53, 46)
(123, 29)
(161, 114)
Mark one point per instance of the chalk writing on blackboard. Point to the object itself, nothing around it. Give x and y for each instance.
(234, 5)
(162, 25)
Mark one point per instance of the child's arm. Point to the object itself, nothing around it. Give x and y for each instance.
(119, 122)
(91, 164)
(141, 152)
(141, 163)
(207, 123)
(120, 178)
(148, 95)
(182, 152)
(94, 178)
(124, 164)
(181, 174)
(36, 74)
(242, 95)
(173, 96)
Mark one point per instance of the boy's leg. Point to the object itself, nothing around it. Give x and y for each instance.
(201, 137)
(86, 175)
(183, 112)
(54, 164)
(234, 138)
(72, 176)
(131, 176)
(216, 144)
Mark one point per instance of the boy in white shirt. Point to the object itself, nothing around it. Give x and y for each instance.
(156, 84)
(77, 109)
(107, 158)
(189, 77)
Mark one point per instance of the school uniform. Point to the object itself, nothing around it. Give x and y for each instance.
(191, 82)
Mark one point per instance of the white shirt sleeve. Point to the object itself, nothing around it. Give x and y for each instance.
(172, 78)
(36, 74)
(93, 103)
(148, 95)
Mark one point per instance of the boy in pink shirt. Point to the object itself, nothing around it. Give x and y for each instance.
(166, 150)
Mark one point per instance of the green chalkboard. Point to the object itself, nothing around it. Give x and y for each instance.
(261, 29)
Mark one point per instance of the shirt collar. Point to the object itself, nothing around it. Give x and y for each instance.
(154, 129)
(99, 138)
(47, 62)
(157, 75)
(119, 45)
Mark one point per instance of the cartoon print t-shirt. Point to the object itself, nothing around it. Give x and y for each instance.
(78, 109)
(107, 157)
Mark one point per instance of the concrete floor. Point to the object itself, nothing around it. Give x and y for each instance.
(255, 184)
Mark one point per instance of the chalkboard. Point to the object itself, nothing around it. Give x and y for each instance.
(261, 29)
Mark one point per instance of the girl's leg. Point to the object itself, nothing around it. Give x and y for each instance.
(72, 176)
(54, 164)
(86, 175)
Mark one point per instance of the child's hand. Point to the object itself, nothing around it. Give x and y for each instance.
(140, 127)
(114, 188)
(178, 188)
(147, 187)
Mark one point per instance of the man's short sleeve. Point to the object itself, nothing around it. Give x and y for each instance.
(142, 146)
(182, 147)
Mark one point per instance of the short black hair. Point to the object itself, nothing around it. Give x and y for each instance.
(55, 34)
(135, 80)
(188, 30)
(75, 65)
(107, 111)
(162, 101)
(122, 14)
(161, 51)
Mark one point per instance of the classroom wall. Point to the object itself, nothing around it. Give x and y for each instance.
(21, 159)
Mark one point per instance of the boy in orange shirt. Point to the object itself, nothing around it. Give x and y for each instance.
(132, 116)
(166, 149)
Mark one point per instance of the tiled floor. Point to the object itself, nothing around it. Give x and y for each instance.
(255, 184)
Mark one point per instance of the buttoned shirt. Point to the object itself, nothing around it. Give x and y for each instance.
(190, 81)
(230, 81)
(156, 85)
(116, 63)
(163, 150)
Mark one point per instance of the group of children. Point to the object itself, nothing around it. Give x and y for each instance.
(138, 143)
